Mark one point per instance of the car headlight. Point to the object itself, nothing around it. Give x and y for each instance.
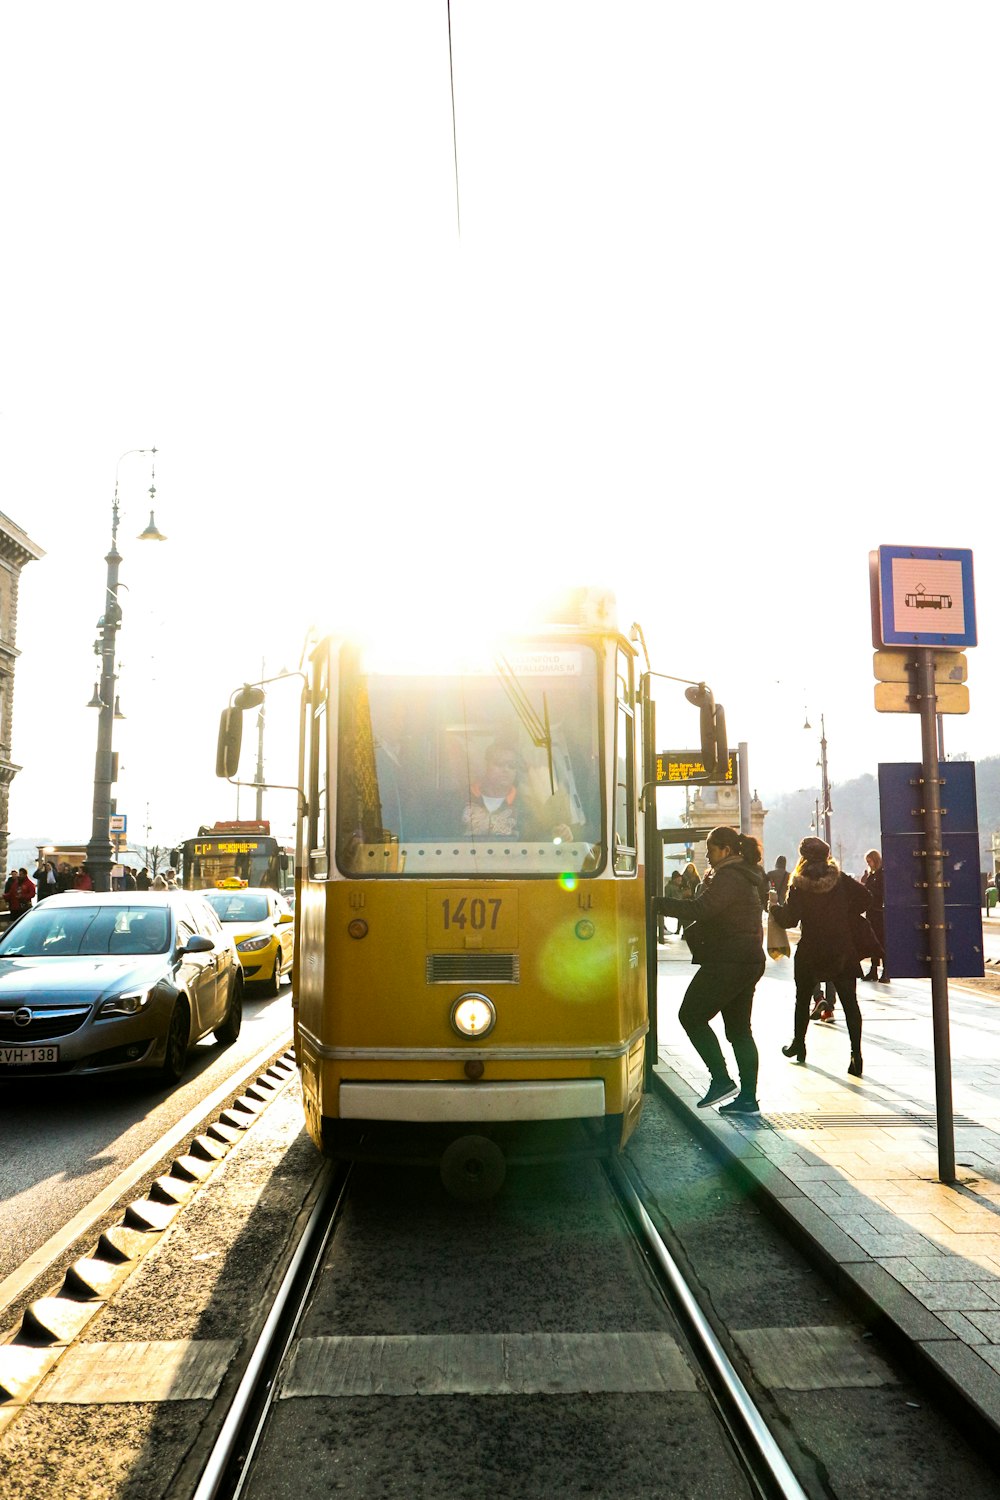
(253, 945)
(129, 1004)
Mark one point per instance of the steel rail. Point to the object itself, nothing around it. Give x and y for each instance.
(764, 1461)
(231, 1455)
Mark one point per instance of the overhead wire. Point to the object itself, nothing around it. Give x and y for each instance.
(454, 126)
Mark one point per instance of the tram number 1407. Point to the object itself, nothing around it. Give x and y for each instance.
(479, 913)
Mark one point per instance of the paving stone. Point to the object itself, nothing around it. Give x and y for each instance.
(812, 1359)
(897, 1302)
(959, 1296)
(824, 1231)
(165, 1370)
(962, 1327)
(485, 1364)
(988, 1322)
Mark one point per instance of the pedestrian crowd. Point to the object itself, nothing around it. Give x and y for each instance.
(22, 889)
(841, 922)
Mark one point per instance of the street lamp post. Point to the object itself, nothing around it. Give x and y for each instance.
(825, 780)
(100, 852)
(824, 808)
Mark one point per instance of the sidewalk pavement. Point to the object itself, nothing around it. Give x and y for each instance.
(851, 1165)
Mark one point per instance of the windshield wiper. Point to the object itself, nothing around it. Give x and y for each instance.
(538, 728)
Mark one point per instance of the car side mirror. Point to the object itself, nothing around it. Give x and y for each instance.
(198, 943)
(284, 918)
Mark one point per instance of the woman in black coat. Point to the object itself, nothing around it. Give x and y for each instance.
(827, 904)
(724, 931)
(873, 881)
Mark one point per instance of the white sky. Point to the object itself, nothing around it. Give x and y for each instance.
(726, 293)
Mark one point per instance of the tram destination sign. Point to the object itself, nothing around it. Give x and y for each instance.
(675, 767)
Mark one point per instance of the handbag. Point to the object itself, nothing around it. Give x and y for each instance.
(778, 943)
(866, 944)
(697, 940)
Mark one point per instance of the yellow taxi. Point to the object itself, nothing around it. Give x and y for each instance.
(261, 923)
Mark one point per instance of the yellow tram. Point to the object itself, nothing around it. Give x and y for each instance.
(470, 982)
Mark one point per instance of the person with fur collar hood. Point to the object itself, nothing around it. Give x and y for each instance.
(825, 903)
(723, 929)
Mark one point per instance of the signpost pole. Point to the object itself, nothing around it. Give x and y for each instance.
(938, 938)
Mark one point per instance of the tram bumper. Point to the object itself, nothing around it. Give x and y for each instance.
(521, 1101)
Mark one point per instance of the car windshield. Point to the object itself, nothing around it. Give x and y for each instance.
(88, 931)
(237, 906)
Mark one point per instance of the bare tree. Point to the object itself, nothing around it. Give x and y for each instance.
(155, 856)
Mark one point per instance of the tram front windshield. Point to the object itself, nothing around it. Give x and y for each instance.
(493, 767)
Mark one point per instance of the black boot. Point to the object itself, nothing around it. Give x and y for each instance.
(855, 1066)
(795, 1049)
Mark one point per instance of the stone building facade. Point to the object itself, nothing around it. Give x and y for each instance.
(16, 549)
(719, 807)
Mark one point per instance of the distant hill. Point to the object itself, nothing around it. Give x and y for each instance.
(855, 820)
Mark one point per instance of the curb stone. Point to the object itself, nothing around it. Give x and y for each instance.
(52, 1323)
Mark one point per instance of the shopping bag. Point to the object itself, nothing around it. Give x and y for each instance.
(778, 945)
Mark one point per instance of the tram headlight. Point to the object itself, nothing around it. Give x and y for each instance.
(473, 1015)
(584, 929)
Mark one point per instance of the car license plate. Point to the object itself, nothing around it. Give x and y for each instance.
(23, 1057)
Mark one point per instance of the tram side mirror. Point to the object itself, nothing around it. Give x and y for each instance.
(704, 700)
(227, 754)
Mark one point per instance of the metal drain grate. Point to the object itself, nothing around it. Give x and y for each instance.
(863, 1122)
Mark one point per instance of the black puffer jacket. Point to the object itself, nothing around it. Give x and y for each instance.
(727, 915)
(874, 883)
(824, 902)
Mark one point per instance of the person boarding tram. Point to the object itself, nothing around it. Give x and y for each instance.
(726, 936)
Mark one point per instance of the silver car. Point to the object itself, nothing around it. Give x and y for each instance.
(100, 982)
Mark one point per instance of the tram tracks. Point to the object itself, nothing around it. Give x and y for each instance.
(227, 1471)
(233, 1450)
(765, 1464)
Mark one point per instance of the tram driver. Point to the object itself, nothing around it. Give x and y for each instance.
(499, 805)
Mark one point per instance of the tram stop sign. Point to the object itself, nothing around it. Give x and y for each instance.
(923, 596)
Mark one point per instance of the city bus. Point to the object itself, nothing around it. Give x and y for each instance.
(471, 975)
(244, 851)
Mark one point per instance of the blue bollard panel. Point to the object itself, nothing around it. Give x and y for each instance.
(907, 943)
(901, 801)
(903, 842)
(905, 874)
